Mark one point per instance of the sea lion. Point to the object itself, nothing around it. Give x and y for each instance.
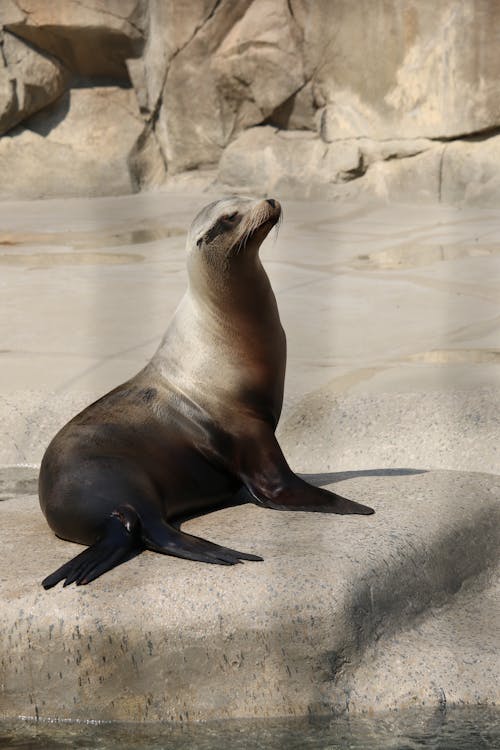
(195, 428)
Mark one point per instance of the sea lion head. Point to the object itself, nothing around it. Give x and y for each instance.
(228, 233)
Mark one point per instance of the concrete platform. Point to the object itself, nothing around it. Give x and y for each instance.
(392, 396)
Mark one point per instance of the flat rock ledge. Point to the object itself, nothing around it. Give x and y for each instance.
(355, 614)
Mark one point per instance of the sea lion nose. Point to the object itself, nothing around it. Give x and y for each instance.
(271, 202)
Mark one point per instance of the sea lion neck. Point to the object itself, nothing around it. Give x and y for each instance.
(239, 287)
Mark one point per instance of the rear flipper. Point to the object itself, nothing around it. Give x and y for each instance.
(120, 542)
(171, 541)
(126, 536)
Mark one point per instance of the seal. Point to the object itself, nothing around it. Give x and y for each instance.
(194, 430)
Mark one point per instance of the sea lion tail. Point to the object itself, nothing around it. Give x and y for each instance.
(120, 541)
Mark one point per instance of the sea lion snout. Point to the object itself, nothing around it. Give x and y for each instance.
(264, 214)
(275, 206)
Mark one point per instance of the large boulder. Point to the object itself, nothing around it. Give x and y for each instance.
(170, 27)
(193, 126)
(259, 63)
(29, 80)
(402, 69)
(81, 146)
(241, 63)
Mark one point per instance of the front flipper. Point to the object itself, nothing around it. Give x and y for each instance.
(168, 540)
(272, 484)
(120, 541)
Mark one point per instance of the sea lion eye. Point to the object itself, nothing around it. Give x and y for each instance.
(198, 242)
(223, 224)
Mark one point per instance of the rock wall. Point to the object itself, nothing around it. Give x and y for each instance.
(307, 98)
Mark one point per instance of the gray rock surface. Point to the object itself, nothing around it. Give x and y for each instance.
(207, 73)
(304, 631)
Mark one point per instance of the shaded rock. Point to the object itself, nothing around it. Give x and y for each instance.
(90, 39)
(80, 146)
(29, 80)
(170, 28)
(459, 639)
(296, 113)
(148, 168)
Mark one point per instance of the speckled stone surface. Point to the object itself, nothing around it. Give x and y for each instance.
(344, 612)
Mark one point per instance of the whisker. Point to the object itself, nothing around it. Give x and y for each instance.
(255, 222)
(277, 226)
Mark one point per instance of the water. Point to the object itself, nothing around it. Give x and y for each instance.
(456, 729)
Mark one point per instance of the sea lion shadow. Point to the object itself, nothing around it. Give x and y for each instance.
(319, 480)
(325, 478)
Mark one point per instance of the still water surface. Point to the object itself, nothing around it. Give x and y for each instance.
(456, 729)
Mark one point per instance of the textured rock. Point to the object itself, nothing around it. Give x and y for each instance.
(170, 28)
(194, 121)
(232, 71)
(259, 63)
(29, 80)
(286, 162)
(436, 77)
(10, 13)
(206, 72)
(80, 147)
(298, 164)
(301, 633)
